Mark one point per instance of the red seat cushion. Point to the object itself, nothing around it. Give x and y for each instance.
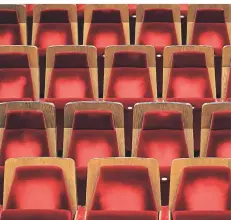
(219, 144)
(104, 32)
(158, 29)
(123, 188)
(36, 215)
(38, 187)
(204, 188)
(200, 215)
(115, 215)
(210, 29)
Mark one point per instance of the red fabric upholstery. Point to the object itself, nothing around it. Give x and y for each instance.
(206, 215)
(93, 136)
(162, 137)
(36, 215)
(124, 215)
(38, 187)
(219, 143)
(104, 32)
(24, 135)
(123, 188)
(1, 185)
(210, 29)
(204, 188)
(10, 33)
(158, 29)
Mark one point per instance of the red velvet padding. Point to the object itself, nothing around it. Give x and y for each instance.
(123, 188)
(189, 83)
(10, 34)
(1, 185)
(221, 120)
(53, 34)
(203, 215)
(102, 35)
(130, 83)
(158, 34)
(70, 83)
(204, 188)
(124, 215)
(16, 83)
(14, 60)
(36, 215)
(38, 187)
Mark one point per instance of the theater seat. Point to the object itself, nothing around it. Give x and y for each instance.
(185, 215)
(18, 73)
(93, 135)
(204, 188)
(35, 215)
(72, 77)
(129, 79)
(123, 215)
(103, 32)
(35, 184)
(13, 25)
(24, 135)
(189, 79)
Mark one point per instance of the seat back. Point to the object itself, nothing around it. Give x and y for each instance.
(216, 130)
(71, 72)
(126, 184)
(54, 25)
(208, 25)
(102, 32)
(188, 73)
(130, 72)
(28, 130)
(158, 25)
(13, 25)
(18, 73)
(40, 183)
(226, 74)
(200, 184)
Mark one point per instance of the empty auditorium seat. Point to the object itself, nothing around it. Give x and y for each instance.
(102, 32)
(19, 75)
(159, 26)
(226, 74)
(13, 25)
(71, 75)
(96, 130)
(129, 77)
(208, 25)
(35, 215)
(40, 184)
(189, 77)
(53, 25)
(216, 130)
(123, 187)
(200, 187)
(163, 131)
(28, 130)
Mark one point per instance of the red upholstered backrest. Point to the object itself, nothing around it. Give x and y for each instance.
(9, 27)
(219, 143)
(25, 119)
(189, 76)
(204, 188)
(54, 28)
(70, 77)
(130, 76)
(38, 187)
(124, 215)
(15, 76)
(1, 183)
(158, 29)
(123, 188)
(210, 29)
(93, 120)
(36, 215)
(104, 32)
